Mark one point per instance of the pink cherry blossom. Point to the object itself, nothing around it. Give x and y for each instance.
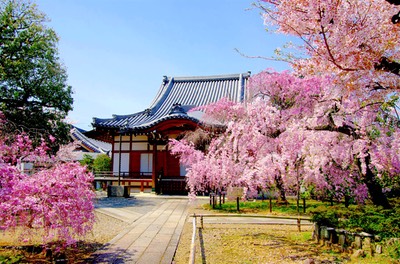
(56, 197)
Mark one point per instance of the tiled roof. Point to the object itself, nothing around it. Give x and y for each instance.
(90, 143)
(177, 95)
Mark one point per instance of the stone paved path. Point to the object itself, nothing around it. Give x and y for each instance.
(155, 225)
(152, 236)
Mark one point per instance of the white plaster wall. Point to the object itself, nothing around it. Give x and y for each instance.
(124, 138)
(124, 163)
(139, 146)
(124, 146)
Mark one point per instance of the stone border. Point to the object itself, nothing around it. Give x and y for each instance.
(353, 243)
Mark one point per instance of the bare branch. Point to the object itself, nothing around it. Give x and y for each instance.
(261, 57)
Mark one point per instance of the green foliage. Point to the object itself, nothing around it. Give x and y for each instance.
(366, 218)
(394, 249)
(374, 133)
(102, 163)
(10, 259)
(33, 90)
(87, 161)
(262, 207)
(324, 217)
(375, 220)
(356, 218)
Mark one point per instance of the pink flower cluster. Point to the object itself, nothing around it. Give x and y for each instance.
(331, 125)
(301, 130)
(55, 197)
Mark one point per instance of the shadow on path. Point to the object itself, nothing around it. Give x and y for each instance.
(120, 202)
(116, 256)
(203, 250)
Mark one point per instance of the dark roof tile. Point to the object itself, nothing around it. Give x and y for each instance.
(90, 143)
(188, 92)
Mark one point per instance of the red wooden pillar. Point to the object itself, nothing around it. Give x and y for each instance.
(166, 169)
(154, 173)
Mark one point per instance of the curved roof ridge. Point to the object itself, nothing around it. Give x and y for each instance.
(211, 77)
(99, 120)
(163, 92)
(115, 116)
(167, 117)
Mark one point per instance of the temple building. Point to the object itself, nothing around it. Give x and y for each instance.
(140, 155)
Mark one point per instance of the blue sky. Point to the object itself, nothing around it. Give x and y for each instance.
(116, 51)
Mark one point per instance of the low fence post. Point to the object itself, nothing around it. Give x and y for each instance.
(299, 223)
(193, 244)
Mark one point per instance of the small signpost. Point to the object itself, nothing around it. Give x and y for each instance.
(270, 194)
(235, 193)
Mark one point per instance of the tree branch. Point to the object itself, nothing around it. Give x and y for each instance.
(332, 58)
(260, 57)
(344, 129)
(396, 18)
(308, 44)
(387, 65)
(393, 2)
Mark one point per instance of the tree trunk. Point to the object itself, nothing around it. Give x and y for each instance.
(281, 188)
(346, 201)
(374, 188)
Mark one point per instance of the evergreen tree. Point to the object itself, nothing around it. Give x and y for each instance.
(34, 94)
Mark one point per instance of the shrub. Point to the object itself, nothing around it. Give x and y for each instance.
(370, 219)
(393, 249)
(324, 216)
(88, 161)
(102, 163)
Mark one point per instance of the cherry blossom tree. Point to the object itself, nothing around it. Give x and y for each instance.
(298, 132)
(56, 198)
(250, 152)
(332, 123)
(354, 41)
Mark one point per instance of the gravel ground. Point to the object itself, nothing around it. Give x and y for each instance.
(105, 228)
(103, 231)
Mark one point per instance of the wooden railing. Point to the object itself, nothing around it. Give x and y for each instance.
(164, 185)
(123, 175)
(173, 185)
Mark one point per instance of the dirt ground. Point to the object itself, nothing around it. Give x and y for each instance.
(266, 244)
(244, 243)
(249, 243)
(12, 249)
